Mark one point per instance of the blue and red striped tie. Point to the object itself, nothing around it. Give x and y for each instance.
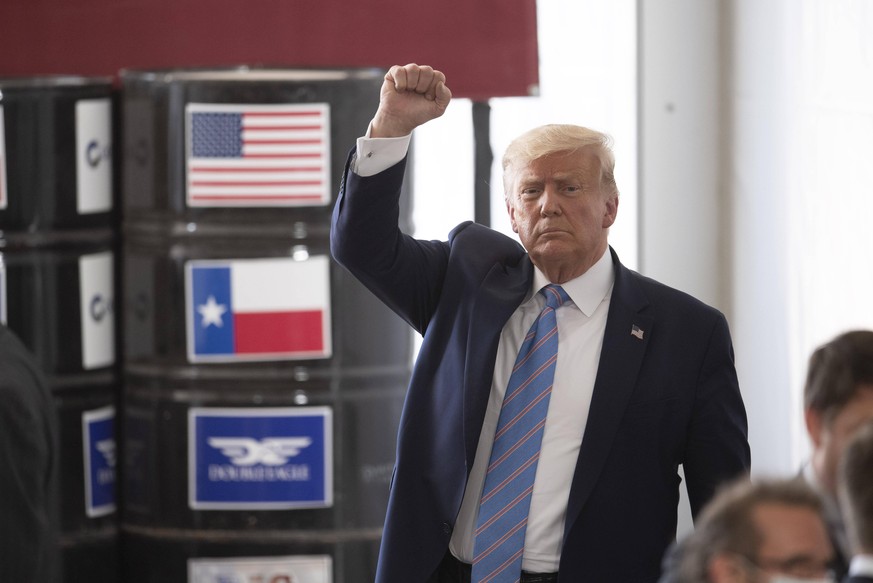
(505, 502)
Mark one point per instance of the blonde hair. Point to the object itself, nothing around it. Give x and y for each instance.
(552, 139)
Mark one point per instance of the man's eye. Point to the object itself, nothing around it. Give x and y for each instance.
(530, 191)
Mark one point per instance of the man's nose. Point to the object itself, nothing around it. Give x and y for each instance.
(550, 202)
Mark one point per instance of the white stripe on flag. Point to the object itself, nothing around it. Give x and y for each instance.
(272, 285)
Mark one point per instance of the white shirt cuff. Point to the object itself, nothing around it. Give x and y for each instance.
(377, 154)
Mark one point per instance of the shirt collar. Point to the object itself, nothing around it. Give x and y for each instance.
(589, 289)
(861, 565)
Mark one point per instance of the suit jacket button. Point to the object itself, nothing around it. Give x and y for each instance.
(447, 528)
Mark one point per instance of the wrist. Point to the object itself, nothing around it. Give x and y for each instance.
(386, 126)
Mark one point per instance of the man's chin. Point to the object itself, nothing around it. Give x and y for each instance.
(552, 252)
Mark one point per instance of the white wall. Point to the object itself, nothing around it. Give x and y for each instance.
(684, 226)
(755, 182)
(760, 188)
(683, 232)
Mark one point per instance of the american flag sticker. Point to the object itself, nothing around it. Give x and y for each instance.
(258, 155)
(258, 309)
(4, 199)
(298, 568)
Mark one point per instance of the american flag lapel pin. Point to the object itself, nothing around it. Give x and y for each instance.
(637, 332)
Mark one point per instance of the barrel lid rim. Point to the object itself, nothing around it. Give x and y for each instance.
(45, 81)
(250, 73)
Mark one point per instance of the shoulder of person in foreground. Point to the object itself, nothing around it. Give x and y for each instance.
(28, 454)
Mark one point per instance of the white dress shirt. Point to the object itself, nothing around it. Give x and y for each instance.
(581, 326)
(861, 565)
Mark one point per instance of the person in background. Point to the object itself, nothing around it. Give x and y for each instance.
(855, 493)
(762, 531)
(29, 549)
(838, 399)
(556, 392)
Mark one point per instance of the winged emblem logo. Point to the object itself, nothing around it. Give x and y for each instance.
(270, 451)
(107, 448)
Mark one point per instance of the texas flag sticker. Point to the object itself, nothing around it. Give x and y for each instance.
(258, 309)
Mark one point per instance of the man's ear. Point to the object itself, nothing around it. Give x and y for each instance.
(814, 426)
(611, 212)
(510, 210)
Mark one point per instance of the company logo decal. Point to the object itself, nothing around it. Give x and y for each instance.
(270, 458)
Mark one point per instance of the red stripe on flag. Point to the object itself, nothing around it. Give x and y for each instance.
(281, 128)
(244, 196)
(310, 142)
(279, 156)
(256, 169)
(255, 183)
(279, 332)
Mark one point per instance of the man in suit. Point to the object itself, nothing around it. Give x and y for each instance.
(856, 500)
(29, 548)
(639, 379)
(766, 531)
(838, 399)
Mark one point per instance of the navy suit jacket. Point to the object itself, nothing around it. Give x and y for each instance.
(669, 398)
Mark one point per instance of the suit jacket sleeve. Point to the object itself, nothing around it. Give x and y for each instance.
(717, 447)
(405, 273)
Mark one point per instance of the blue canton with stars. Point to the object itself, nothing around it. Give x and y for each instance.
(216, 135)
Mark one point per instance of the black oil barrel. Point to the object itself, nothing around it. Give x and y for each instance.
(58, 235)
(56, 167)
(262, 384)
(60, 297)
(89, 523)
(241, 145)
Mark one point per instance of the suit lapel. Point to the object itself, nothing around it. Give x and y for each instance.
(620, 361)
(502, 291)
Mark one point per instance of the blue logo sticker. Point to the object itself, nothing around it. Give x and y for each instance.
(270, 458)
(98, 440)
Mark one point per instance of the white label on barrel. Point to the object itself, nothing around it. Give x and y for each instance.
(4, 198)
(257, 155)
(93, 156)
(258, 309)
(271, 458)
(97, 309)
(300, 569)
(98, 443)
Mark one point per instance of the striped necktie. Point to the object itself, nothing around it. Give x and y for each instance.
(509, 480)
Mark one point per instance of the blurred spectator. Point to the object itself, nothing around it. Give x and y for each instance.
(28, 457)
(764, 531)
(838, 398)
(856, 501)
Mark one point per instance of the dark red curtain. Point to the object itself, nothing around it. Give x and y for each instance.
(488, 48)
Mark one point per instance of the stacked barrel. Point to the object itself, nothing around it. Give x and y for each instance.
(262, 383)
(58, 240)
